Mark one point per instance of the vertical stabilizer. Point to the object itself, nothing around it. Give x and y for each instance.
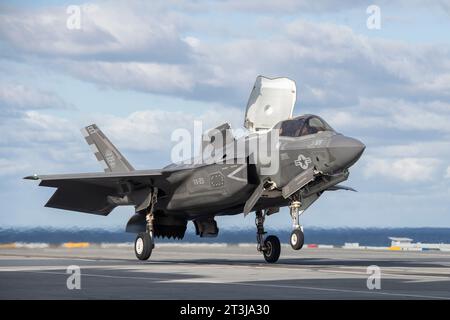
(105, 152)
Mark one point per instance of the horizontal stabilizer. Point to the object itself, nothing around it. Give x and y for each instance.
(82, 197)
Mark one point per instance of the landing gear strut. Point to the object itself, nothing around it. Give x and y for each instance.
(144, 243)
(270, 247)
(297, 238)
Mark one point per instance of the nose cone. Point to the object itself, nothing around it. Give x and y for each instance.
(346, 151)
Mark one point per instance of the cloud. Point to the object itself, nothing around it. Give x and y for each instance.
(11, 167)
(332, 64)
(152, 129)
(36, 142)
(447, 172)
(16, 98)
(398, 114)
(33, 128)
(429, 148)
(160, 49)
(420, 161)
(377, 65)
(147, 77)
(110, 31)
(445, 7)
(403, 169)
(286, 6)
(389, 119)
(283, 7)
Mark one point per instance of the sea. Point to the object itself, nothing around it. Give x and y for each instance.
(331, 236)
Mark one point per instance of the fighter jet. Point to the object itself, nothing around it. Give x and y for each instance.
(307, 157)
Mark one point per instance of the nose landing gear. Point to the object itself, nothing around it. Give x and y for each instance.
(297, 238)
(270, 246)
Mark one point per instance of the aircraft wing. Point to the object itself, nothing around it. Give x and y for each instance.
(107, 179)
(89, 192)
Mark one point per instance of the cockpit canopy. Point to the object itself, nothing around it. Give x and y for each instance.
(302, 126)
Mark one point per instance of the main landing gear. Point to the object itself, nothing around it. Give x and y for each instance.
(270, 246)
(144, 243)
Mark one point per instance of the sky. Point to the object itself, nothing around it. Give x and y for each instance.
(141, 69)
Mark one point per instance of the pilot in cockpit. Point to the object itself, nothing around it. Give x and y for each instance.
(299, 127)
(305, 130)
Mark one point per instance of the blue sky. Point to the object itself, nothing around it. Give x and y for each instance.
(142, 69)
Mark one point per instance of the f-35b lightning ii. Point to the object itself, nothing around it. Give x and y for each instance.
(307, 158)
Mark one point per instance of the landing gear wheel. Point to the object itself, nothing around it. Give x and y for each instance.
(143, 246)
(297, 239)
(272, 249)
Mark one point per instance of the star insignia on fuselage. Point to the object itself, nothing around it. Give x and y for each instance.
(302, 162)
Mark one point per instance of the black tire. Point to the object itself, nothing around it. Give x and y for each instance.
(273, 249)
(297, 239)
(143, 246)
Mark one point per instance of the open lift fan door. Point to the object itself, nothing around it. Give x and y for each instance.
(271, 101)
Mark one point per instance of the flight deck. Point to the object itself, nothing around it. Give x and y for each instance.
(219, 271)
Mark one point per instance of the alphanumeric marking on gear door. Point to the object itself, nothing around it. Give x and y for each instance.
(216, 180)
